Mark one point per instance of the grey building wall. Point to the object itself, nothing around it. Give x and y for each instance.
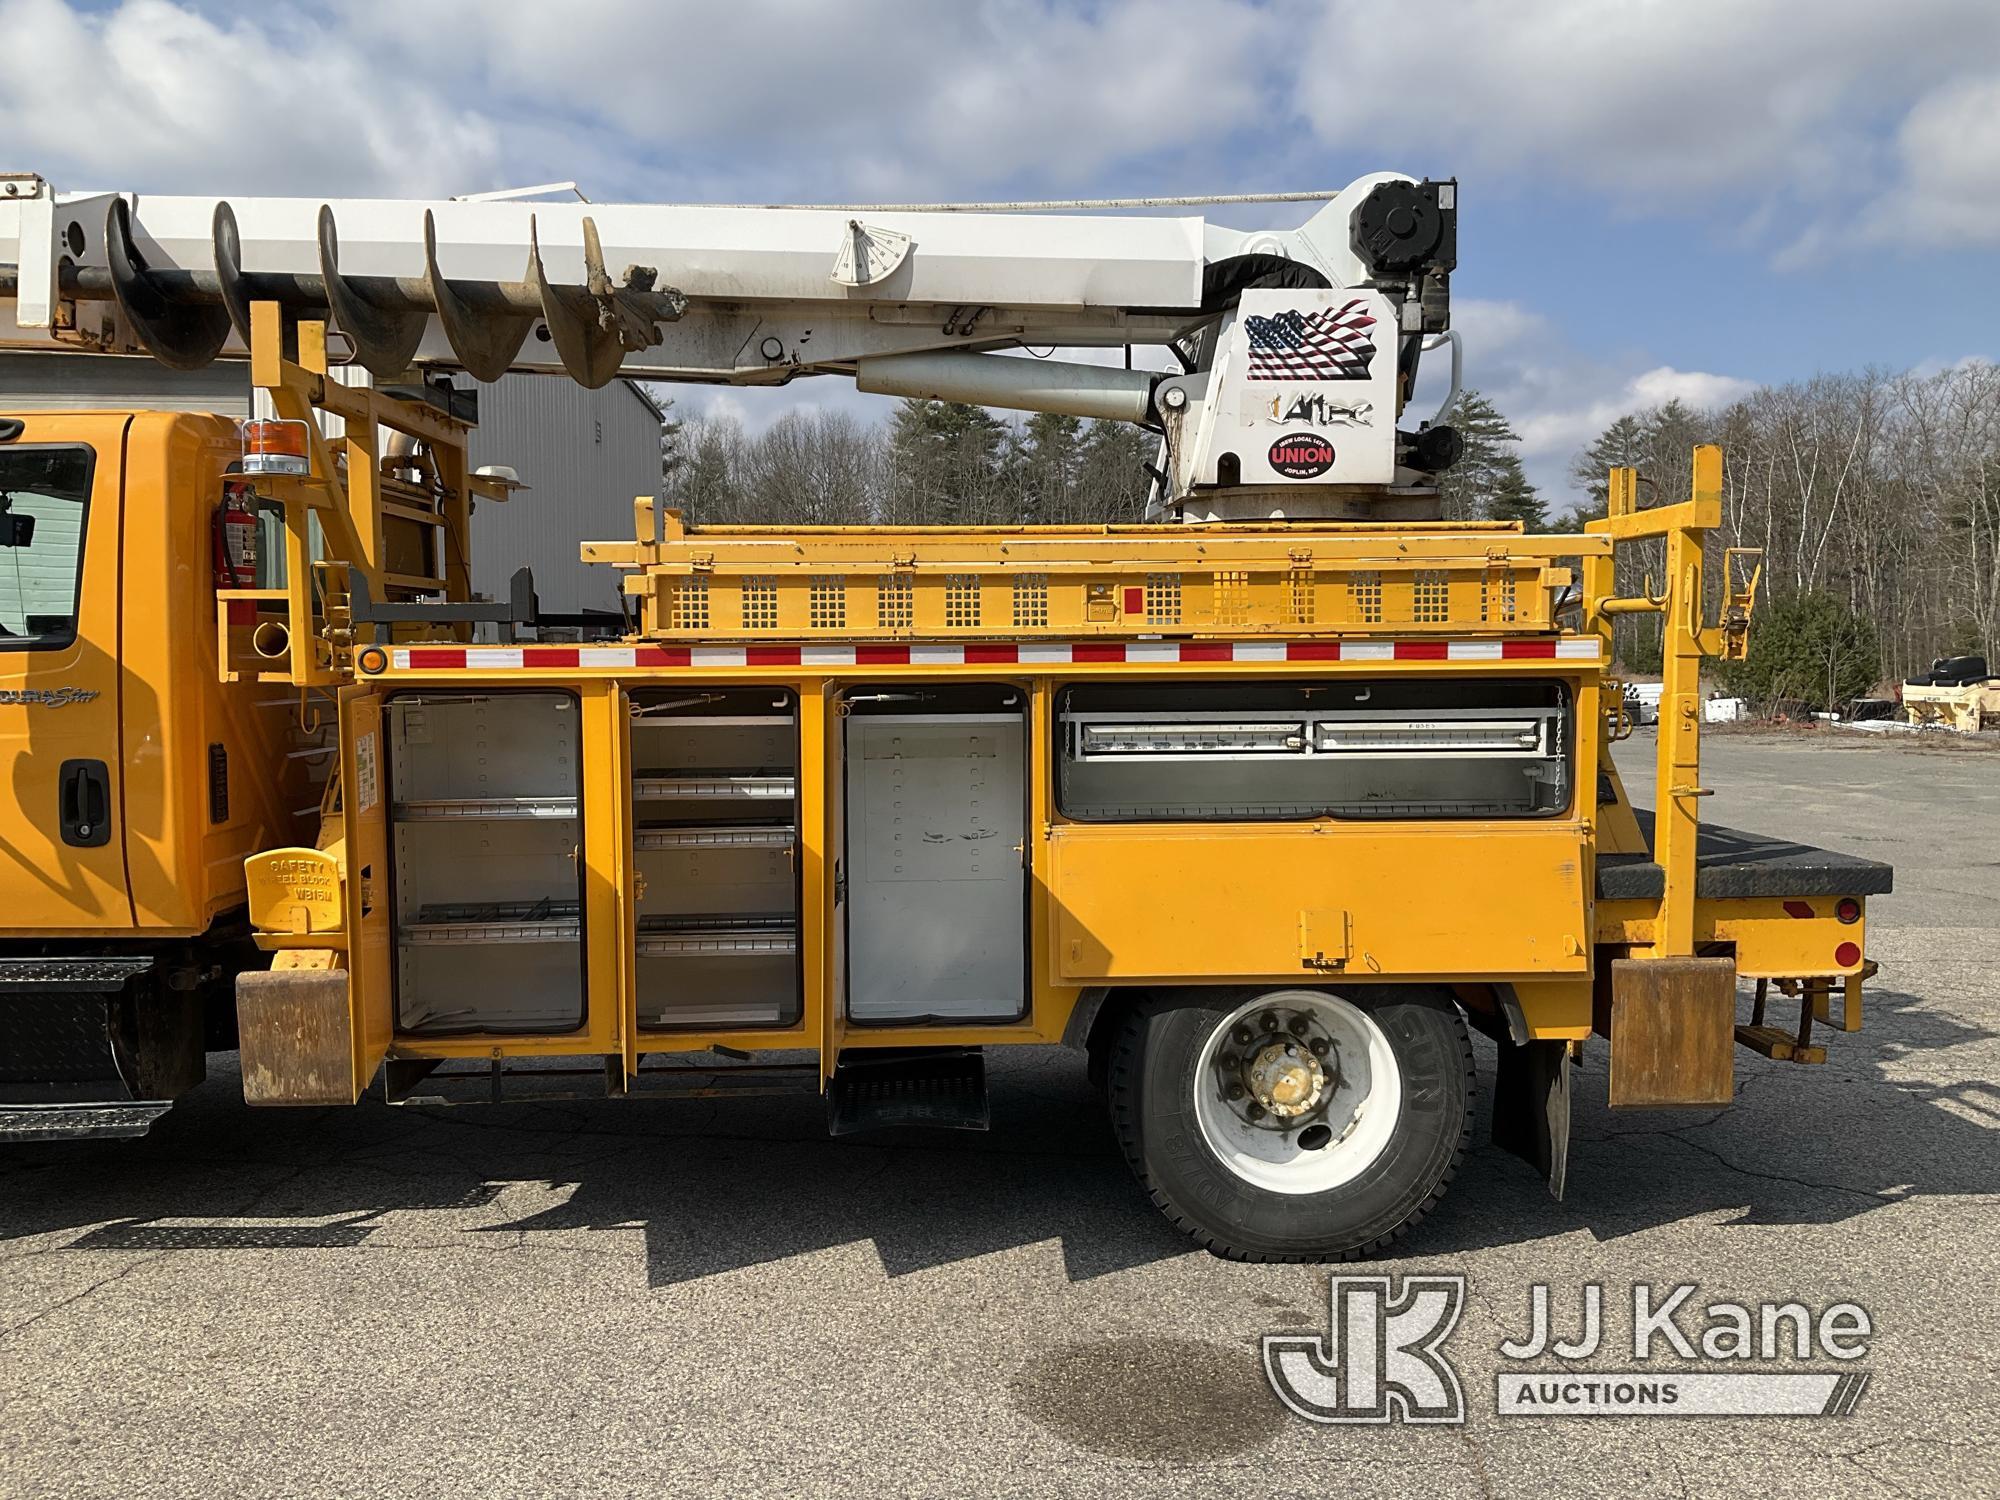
(585, 455)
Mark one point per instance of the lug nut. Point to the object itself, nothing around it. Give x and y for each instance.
(1298, 1026)
(1235, 1091)
(1254, 1111)
(1318, 1046)
(1241, 1036)
(1270, 1021)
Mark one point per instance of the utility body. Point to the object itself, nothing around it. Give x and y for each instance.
(1261, 806)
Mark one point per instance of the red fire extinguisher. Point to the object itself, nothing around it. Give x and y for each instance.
(235, 540)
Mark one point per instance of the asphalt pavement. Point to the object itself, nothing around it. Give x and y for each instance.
(611, 1298)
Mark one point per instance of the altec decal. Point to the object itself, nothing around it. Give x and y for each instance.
(1301, 455)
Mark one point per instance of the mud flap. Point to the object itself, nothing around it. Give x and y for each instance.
(1531, 1092)
(1672, 1024)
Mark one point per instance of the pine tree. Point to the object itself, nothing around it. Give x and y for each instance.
(1468, 486)
(1044, 461)
(1621, 445)
(1515, 499)
(946, 465)
(1112, 473)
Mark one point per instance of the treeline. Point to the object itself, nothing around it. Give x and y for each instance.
(1875, 497)
(933, 463)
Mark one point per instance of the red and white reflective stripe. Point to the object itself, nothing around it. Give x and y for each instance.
(981, 653)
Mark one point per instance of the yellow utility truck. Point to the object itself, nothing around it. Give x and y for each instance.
(1263, 805)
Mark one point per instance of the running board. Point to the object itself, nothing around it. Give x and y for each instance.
(78, 1122)
(944, 1088)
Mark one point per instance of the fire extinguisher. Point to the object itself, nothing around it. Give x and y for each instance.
(235, 540)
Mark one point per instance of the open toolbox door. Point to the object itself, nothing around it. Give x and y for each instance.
(314, 1027)
(370, 983)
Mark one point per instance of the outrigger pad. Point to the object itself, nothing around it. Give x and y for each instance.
(296, 1036)
(1673, 1031)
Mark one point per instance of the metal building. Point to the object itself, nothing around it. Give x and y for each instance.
(585, 455)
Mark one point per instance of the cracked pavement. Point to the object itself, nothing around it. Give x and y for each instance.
(627, 1298)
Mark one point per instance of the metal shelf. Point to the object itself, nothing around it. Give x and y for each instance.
(446, 809)
(718, 936)
(644, 720)
(456, 934)
(709, 836)
(713, 786)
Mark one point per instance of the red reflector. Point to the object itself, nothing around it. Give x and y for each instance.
(1135, 601)
(1097, 651)
(1848, 910)
(1847, 955)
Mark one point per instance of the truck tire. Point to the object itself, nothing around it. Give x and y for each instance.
(1293, 1124)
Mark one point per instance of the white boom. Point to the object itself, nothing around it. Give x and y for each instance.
(1300, 345)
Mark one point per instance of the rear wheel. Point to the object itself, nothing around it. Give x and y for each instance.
(1293, 1124)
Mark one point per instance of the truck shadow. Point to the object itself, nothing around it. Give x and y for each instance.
(719, 1186)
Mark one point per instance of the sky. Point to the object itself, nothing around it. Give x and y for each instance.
(1658, 198)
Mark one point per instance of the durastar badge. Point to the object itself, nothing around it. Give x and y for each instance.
(1301, 455)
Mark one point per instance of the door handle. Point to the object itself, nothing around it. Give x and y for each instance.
(85, 803)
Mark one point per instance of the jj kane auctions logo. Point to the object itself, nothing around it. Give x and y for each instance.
(1383, 1357)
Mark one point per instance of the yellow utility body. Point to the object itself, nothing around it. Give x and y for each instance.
(848, 794)
(1263, 808)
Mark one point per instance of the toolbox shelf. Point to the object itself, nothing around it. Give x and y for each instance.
(712, 786)
(717, 836)
(716, 939)
(442, 809)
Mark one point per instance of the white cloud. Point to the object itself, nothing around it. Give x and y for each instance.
(159, 96)
(1949, 190)
(1846, 124)
(1559, 397)
(1785, 109)
(761, 99)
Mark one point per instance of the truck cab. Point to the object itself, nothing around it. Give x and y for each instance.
(138, 781)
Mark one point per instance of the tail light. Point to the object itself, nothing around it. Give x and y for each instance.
(1848, 910)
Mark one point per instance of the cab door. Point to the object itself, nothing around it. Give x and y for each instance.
(62, 838)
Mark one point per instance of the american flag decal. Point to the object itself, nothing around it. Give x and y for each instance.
(1332, 344)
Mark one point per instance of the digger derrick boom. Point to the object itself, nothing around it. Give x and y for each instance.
(1318, 328)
